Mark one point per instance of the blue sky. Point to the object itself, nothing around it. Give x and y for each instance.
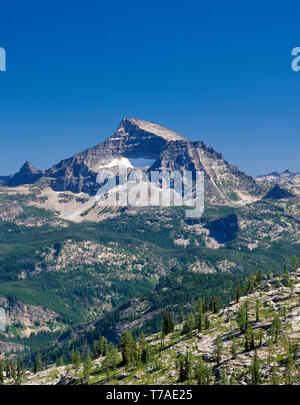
(213, 71)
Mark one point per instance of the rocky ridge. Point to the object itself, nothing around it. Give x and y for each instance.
(278, 357)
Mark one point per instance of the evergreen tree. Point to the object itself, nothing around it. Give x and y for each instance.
(76, 361)
(200, 314)
(223, 378)
(276, 327)
(295, 263)
(249, 339)
(103, 344)
(219, 349)
(7, 369)
(168, 323)
(207, 322)
(60, 362)
(242, 318)
(259, 276)
(257, 308)
(274, 377)
(205, 307)
(252, 283)
(181, 317)
(201, 372)
(111, 359)
(260, 336)
(87, 368)
(288, 369)
(238, 292)
(12, 369)
(128, 348)
(216, 304)
(269, 344)
(185, 368)
(19, 372)
(233, 348)
(38, 362)
(189, 324)
(2, 367)
(286, 276)
(255, 370)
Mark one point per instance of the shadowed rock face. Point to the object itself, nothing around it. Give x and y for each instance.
(135, 138)
(277, 193)
(27, 175)
(224, 229)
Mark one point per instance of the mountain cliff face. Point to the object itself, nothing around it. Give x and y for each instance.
(139, 140)
(26, 175)
(287, 179)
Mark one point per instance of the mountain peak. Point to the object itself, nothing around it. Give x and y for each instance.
(151, 127)
(28, 168)
(26, 175)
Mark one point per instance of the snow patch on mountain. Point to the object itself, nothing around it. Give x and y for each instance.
(125, 162)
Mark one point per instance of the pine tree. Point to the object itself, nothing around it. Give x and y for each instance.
(38, 362)
(260, 336)
(269, 344)
(233, 348)
(87, 368)
(189, 324)
(168, 324)
(76, 361)
(127, 347)
(224, 378)
(205, 307)
(252, 282)
(219, 349)
(7, 369)
(257, 307)
(242, 318)
(216, 304)
(274, 377)
(111, 359)
(249, 339)
(60, 362)
(295, 262)
(255, 370)
(103, 344)
(201, 372)
(199, 305)
(200, 314)
(181, 317)
(238, 292)
(207, 322)
(259, 276)
(288, 369)
(185, 368)
(12, 369)
(19, 372)
(2, 367)
(276, 327)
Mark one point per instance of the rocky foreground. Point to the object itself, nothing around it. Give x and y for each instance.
(265, 352)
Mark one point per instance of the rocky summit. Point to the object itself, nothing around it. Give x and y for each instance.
(153, 147)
